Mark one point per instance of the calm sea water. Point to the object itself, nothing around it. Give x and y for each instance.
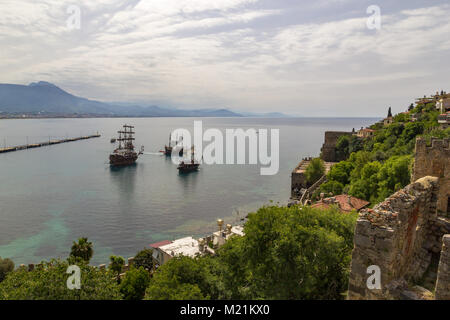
(53, 195)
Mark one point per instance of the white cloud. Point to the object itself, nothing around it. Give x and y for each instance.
(217, 54)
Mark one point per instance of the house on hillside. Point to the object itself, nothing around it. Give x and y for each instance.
(365, 133)
(444, 120)
(163, 251)
(344, 202)
(443, 105)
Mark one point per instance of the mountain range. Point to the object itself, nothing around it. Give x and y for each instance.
(44, 98)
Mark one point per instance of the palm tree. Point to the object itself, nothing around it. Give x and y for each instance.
(82, 249)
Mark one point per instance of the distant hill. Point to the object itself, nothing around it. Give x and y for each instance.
(46, 98)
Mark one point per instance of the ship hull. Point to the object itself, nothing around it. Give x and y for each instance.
(186, 168)
(122, 160)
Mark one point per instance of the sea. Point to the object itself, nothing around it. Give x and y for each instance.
(51, 196)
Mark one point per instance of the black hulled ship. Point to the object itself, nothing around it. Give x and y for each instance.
(186, 167)
(125, 154)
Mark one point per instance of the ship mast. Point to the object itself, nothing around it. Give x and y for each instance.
(127, 137)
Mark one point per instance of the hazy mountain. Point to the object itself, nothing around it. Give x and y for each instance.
(47, 98)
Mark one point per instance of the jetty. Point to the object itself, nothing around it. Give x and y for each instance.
(46, 143)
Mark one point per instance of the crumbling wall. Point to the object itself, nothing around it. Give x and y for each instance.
(407, 233)
(298, 178)
(328, 151)
(443, 277)
(393, 236)
(434, 161)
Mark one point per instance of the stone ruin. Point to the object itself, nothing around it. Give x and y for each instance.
(328, 150)
(408, 235)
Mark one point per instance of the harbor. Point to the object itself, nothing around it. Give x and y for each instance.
(46, 143)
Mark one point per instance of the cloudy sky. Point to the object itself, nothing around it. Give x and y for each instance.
(301, 57)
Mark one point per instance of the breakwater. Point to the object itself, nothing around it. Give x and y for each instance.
(46, 143)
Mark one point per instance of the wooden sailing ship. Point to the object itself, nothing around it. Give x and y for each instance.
(186, 167)
(168, 149)
(125, 154)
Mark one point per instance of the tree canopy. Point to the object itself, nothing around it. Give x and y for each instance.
(6, 266)
(49, 282)
(144, 259)
(135, 283)
(286, 253)
(82, 249)
(315, 170)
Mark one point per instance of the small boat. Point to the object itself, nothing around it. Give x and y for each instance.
(184, 167)
(113, 140)
(125, 155)
(168, 149)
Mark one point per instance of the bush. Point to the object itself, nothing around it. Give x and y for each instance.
(144, 259)
(116, 266)
(135, 283)
(6, 266)
(50, 283)
(314, 171)
(290, 253)
(184, 278)
(334, 187)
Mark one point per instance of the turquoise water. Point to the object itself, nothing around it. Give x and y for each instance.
(53, 195)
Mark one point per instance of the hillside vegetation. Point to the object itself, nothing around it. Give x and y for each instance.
(376, 167)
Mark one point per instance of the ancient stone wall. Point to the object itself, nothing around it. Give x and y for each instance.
(298, 178)
(443, 277)
(434, 160)
(402, 236)
(328, 151)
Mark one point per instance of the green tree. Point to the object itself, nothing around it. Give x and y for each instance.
(342, 147)
(393, 175)
(183, 278)
(290, 253)
(6, 266)
(144, 259)
(116, 266)
(334, 187)
(82, 249)
(49, 282)
(135, 283)
(315, 170)
(340, 172)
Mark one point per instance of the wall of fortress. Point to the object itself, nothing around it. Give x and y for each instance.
(434, 160)
(328, 151)
(408, 235)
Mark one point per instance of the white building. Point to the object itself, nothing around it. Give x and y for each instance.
(165, 250)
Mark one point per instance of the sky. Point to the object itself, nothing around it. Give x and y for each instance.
(300, 57)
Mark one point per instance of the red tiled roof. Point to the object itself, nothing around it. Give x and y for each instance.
(160, 244)
(345, 202)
